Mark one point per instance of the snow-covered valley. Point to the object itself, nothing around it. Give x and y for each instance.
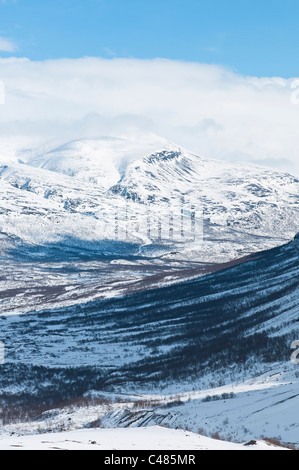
(211, 354)
(157, 289)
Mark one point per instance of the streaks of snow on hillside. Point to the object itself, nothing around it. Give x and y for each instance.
(259, 297)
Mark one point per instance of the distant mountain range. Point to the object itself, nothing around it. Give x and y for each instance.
(135, 191)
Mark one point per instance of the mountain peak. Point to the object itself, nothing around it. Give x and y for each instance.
(102, 160)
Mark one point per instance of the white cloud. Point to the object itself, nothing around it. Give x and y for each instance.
(208, 109)
(7, 45)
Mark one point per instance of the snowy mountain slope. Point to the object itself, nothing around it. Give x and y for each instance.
(117, 189)
(225, 328)
(257, 300)
(241, 205)
(261, 407)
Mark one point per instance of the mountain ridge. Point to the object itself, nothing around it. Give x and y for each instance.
(245, 209)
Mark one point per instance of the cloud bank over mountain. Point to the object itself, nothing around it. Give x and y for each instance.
(209, 109)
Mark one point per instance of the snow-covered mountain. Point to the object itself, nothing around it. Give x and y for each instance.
(134, 190)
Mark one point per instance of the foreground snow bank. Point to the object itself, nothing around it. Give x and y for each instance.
(152, 438)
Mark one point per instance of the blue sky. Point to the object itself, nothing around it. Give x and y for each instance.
(256, 37)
